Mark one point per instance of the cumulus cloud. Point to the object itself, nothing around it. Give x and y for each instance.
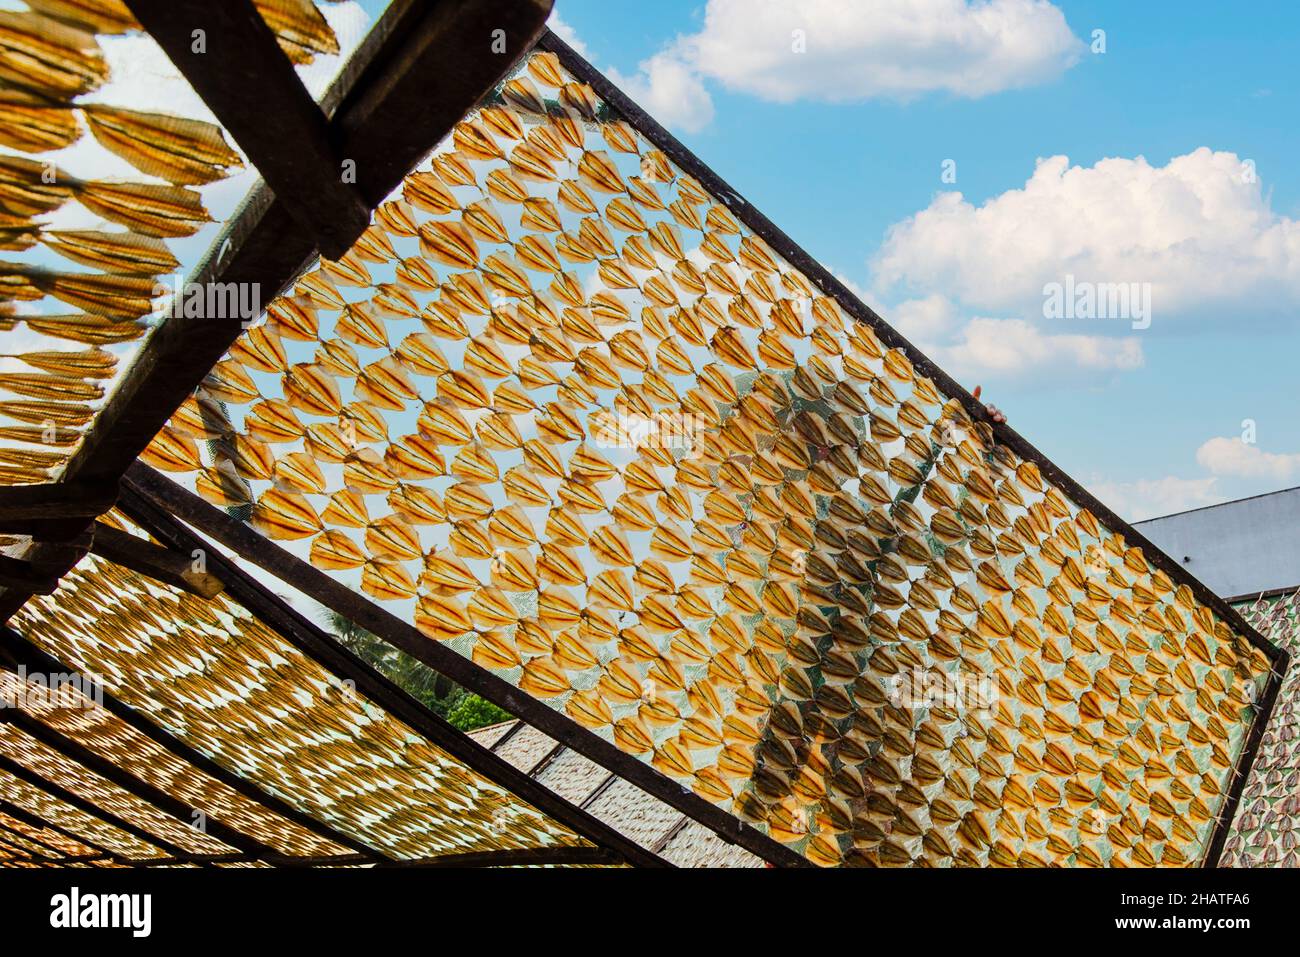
(566, 33)
(1198, 229)
(668, 89)
(1000, 351)
(1151, 498)
(1014, 348)
(845, 50)
(664, 85)
(1233, 457)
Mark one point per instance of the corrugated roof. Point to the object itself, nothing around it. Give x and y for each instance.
(1239, 549)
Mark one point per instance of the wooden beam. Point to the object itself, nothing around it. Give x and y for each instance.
(455, 41)
(7, 829)
(275, 860)
(17, 650)
(561, 856)
(22, 506)
(251, 86)
(308, 638)
(420, 69)
(21, 574)
(387, 138)
(142, 790)
(21, 853)
(172, 502)
(153, 561)
(60, 793)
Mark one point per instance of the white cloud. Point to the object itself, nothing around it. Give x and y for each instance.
(927, 320)
(1014, 348)
(664, 85)
(1198, 229)
(1233, 457)
(860, 49)
(1000, 351)
(668, 89)
(1151, 498)
(566, 33)
(846, 51)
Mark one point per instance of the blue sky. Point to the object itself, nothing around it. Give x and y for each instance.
(846, 141)
(1145, 151)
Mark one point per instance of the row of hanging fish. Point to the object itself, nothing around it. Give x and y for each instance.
(1265, 832)
(240, 693)
(446, 419)
(50, 61)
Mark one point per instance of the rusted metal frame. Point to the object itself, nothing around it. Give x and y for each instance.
(251, 86)
(153, 516)
(179, 503)
(60, 793)
(823, 280)
(153, 561)
(20, 651)
(419, 70)
(140, 789)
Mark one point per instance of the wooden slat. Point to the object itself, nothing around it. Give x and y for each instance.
(33, 820)
(421, 68)
(57, 500)
(153, 561)
(142, 790)
(528, 857)
(21, 574)
(60, 793)
(251, 86)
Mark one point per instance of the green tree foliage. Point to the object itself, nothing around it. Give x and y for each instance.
(439, 694)
(472, 712)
